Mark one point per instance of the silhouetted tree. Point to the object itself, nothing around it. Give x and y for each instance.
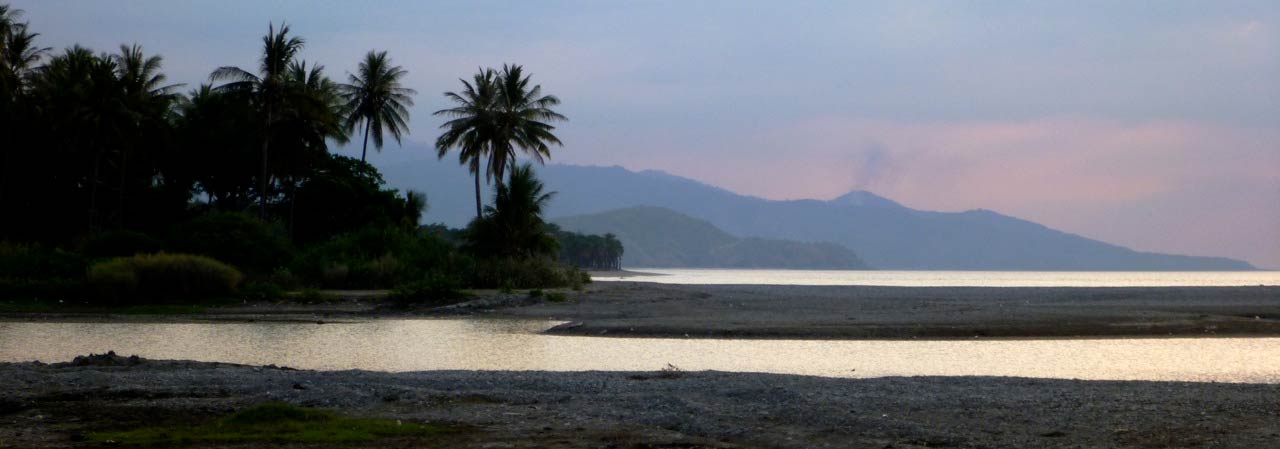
(269, 89)
(375, 97)
(471, 126)
(513, 226)
(521, 121)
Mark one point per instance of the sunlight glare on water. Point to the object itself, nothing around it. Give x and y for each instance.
(952, 278)
(411, 345)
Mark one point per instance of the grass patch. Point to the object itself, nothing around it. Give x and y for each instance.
(274, 422)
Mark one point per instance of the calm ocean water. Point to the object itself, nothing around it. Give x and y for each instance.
(955, 278)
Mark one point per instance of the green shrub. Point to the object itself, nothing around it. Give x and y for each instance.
(284, 278)
(163, 278)
(378, 257)
(262, 291)
(51, 288)
(235, 238)
(120, 244)
(557, 297)
(435, 289)
(523, 273)
(35, 272)
(536, 293)
(18, 261)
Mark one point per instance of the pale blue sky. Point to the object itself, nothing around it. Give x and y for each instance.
(1148, 124)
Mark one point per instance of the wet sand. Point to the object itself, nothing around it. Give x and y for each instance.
(768, 311)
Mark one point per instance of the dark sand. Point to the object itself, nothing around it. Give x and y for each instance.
(769, 311)
(820, 312)
(43, 406)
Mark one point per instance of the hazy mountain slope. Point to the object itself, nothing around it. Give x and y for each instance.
(883, 233)
(658, 237)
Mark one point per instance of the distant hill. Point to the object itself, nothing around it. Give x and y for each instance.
(659, 237)
(884, 234)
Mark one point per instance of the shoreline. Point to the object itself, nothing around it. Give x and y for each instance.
(46, 406)
(644, 309)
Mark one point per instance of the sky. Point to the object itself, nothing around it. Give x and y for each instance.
(1154, 125)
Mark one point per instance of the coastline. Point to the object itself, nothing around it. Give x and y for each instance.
(52, 406)
(621, 274)
(856, 312)
(644, 309)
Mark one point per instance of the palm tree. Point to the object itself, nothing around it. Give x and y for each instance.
(376, 98)
(415, 204)
(471, 126)
(521, 121)
(82, 102)
(18, 57)
(18, 53)
(148, 101)
(268, 89)
(513, 226)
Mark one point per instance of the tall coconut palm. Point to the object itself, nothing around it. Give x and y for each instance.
(521, 121)
(18, 53)
(18, 57)
(471, 125)
(140, 75)
(375, 97)
(268, 89)
(148, 102)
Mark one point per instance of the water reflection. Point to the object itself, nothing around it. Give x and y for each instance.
(407, 345)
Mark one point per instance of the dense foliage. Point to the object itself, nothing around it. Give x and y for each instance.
(106, 166)
(99, 142)
(595, 252)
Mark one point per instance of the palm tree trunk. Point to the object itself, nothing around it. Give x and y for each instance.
(262, 181)
(124, 170)
(366, 140)
(93, 192)
(477, 172)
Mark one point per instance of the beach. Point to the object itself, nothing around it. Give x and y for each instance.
(630, 308)
(54, 406)
(859, 312)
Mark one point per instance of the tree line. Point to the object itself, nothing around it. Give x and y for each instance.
(96, 142)
(595, 252)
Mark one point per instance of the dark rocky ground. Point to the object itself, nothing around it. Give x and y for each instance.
(52, 406)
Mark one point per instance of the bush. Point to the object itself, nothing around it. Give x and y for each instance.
(35, 262)
(52, 288)
(120, 244)
(172, 278)
(377, 258)
(32, 272)
(262, 291)
(557, 297)
(435, 289)
(235, 238)
(522, 273)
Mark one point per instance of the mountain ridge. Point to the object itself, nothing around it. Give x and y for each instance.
(654, 236)
(882, 232)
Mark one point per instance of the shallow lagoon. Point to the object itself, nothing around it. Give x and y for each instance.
(469, 344)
